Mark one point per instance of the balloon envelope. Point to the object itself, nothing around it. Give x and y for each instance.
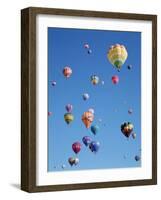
(89, 51)
(115, 79)
(53, 83)
(94, 146)
(86, 46)
(94, 129)
(134, 135)
(49, 113)
(71, 161)
(91, 110)
(67, 71)
(68, 117)
(86, 140)
(85, 96)
(137, 158)
(87, 118)
(127, 128)
(76, 147)
(69, 108)
(94, 79)
(117, 55)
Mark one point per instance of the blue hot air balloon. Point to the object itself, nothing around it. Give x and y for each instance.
(94, 129)
(137, 158)
(94, 146)
(86, 140)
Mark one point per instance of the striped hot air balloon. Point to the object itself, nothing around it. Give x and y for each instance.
(117, 55)
(68, 117)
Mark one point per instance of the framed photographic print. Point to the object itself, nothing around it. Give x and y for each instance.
(88, 99)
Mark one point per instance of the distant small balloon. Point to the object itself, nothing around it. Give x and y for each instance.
(95, 129)
(115, 79)
(91, 110)
(67, 71)
(130, 111)
(89, 51)
(86, 46)
(49, 113)
(129, 67)
(94, 79)
(137, 158)
(76, 161)
(103, 82)
(86, 140)
(85, 96)
(63, 166)
(53, 83)
(76, 147)
(69, 108)
(133, 135)
(94, 146)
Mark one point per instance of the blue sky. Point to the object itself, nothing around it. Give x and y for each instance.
(110, 102)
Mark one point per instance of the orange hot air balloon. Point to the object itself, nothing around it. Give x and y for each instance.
(87, 118)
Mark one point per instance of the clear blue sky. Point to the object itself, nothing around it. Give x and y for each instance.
(110, 102)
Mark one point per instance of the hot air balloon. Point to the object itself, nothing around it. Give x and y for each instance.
(117, 55)
(49, 113)
(86, 46)
(68, 117)
(115, 79)
(129, 67)
(133, 135)
(86, 140)
(137, 158)
(87, 118)
(94, 129)
(130, 111)
(127, 128)
(76, 147)
(67, 71)
(69, 108)
(91, 110)
(85, 96)
(71, 161)
(103, 82)
(53, 83)
(89, 51)
(63, 166)
(94, 146)
(94, 79)
(76, 161)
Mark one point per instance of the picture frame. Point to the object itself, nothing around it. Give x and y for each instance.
(30, 80)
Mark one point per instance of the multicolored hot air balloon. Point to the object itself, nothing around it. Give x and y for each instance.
(115, 79)
(68, 117)
(87, 118)
(86, 140)
(85, 96)
(69, 108)
(94, 129)
(71, 161)
(94, 146)
(94, 79)
(67, 71)
(127, 128)
(91, 110)
(117, 55)
(76, 147)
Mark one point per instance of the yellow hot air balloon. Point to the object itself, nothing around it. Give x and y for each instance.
(94, 79)
(68, 117)
(117, 55)
(87, 118)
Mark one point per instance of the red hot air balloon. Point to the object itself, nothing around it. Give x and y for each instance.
(76, 147)
(115, 79)
(67, 71)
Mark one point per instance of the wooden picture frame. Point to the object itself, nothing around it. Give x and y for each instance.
(28, 98)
